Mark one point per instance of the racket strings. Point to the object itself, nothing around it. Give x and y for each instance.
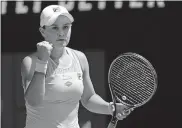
(130, 92)
(134, 78)
(135, 81)
(132, 69)
(137, 63)
(134, 91)
(131, 99)
(127, 70)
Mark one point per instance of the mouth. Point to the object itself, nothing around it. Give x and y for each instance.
(61, 40)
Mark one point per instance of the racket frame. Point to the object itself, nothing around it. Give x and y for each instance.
(114, 97)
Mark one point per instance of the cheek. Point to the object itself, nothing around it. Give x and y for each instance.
(69, 33)
(52, 37)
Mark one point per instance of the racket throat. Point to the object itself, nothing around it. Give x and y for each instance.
(114, 120)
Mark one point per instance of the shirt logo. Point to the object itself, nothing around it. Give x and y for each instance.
(79, 76)
(66, 77)
(56, 9)
(68, 83)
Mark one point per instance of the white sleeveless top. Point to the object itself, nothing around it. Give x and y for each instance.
(63, 90)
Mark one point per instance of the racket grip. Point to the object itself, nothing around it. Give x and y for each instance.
(112, 125)
(113, 122)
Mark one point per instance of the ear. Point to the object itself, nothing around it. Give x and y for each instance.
(42, 31)
(69, 34)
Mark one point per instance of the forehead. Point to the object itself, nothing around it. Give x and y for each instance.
(62, 20)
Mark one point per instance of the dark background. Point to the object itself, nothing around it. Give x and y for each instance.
(154, 33)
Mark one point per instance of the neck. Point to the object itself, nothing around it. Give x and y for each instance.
(57, 53)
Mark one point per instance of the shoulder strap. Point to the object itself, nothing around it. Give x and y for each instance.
(68, 50)
(73, 54)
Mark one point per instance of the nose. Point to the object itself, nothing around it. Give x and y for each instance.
(60, 33)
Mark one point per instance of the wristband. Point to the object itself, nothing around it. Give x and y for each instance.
(41, 66)
(111, 108)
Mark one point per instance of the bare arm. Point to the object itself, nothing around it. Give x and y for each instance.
(90, 100)
(33, 82)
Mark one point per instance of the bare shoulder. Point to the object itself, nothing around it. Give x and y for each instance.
(27, 60)
(82, 58)
(28, 65)
(80, 54)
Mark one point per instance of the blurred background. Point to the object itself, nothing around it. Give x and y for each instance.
(102, 30)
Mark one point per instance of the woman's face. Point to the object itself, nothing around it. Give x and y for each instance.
(59, 32)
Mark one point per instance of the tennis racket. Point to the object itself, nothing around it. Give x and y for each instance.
(132, 82)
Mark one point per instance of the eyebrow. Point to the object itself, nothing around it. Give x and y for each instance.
(67, 24)
(63, 25)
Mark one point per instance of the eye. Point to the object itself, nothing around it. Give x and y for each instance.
(66, 27)
(55, 28)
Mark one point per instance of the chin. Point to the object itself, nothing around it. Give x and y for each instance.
(62, 44)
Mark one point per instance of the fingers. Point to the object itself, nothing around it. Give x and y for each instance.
(44, 50)
(122, 111)
(126, 112)
(131, 109)
(119, 116)
(44, 44)
(47, 44)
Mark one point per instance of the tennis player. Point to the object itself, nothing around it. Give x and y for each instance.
(55, 78)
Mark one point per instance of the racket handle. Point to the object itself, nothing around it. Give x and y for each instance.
(113, 122)
(112, 125)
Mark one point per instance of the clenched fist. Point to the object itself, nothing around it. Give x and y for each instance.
(44, 49)
(122, 111)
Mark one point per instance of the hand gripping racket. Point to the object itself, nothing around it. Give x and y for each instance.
(132, 82)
